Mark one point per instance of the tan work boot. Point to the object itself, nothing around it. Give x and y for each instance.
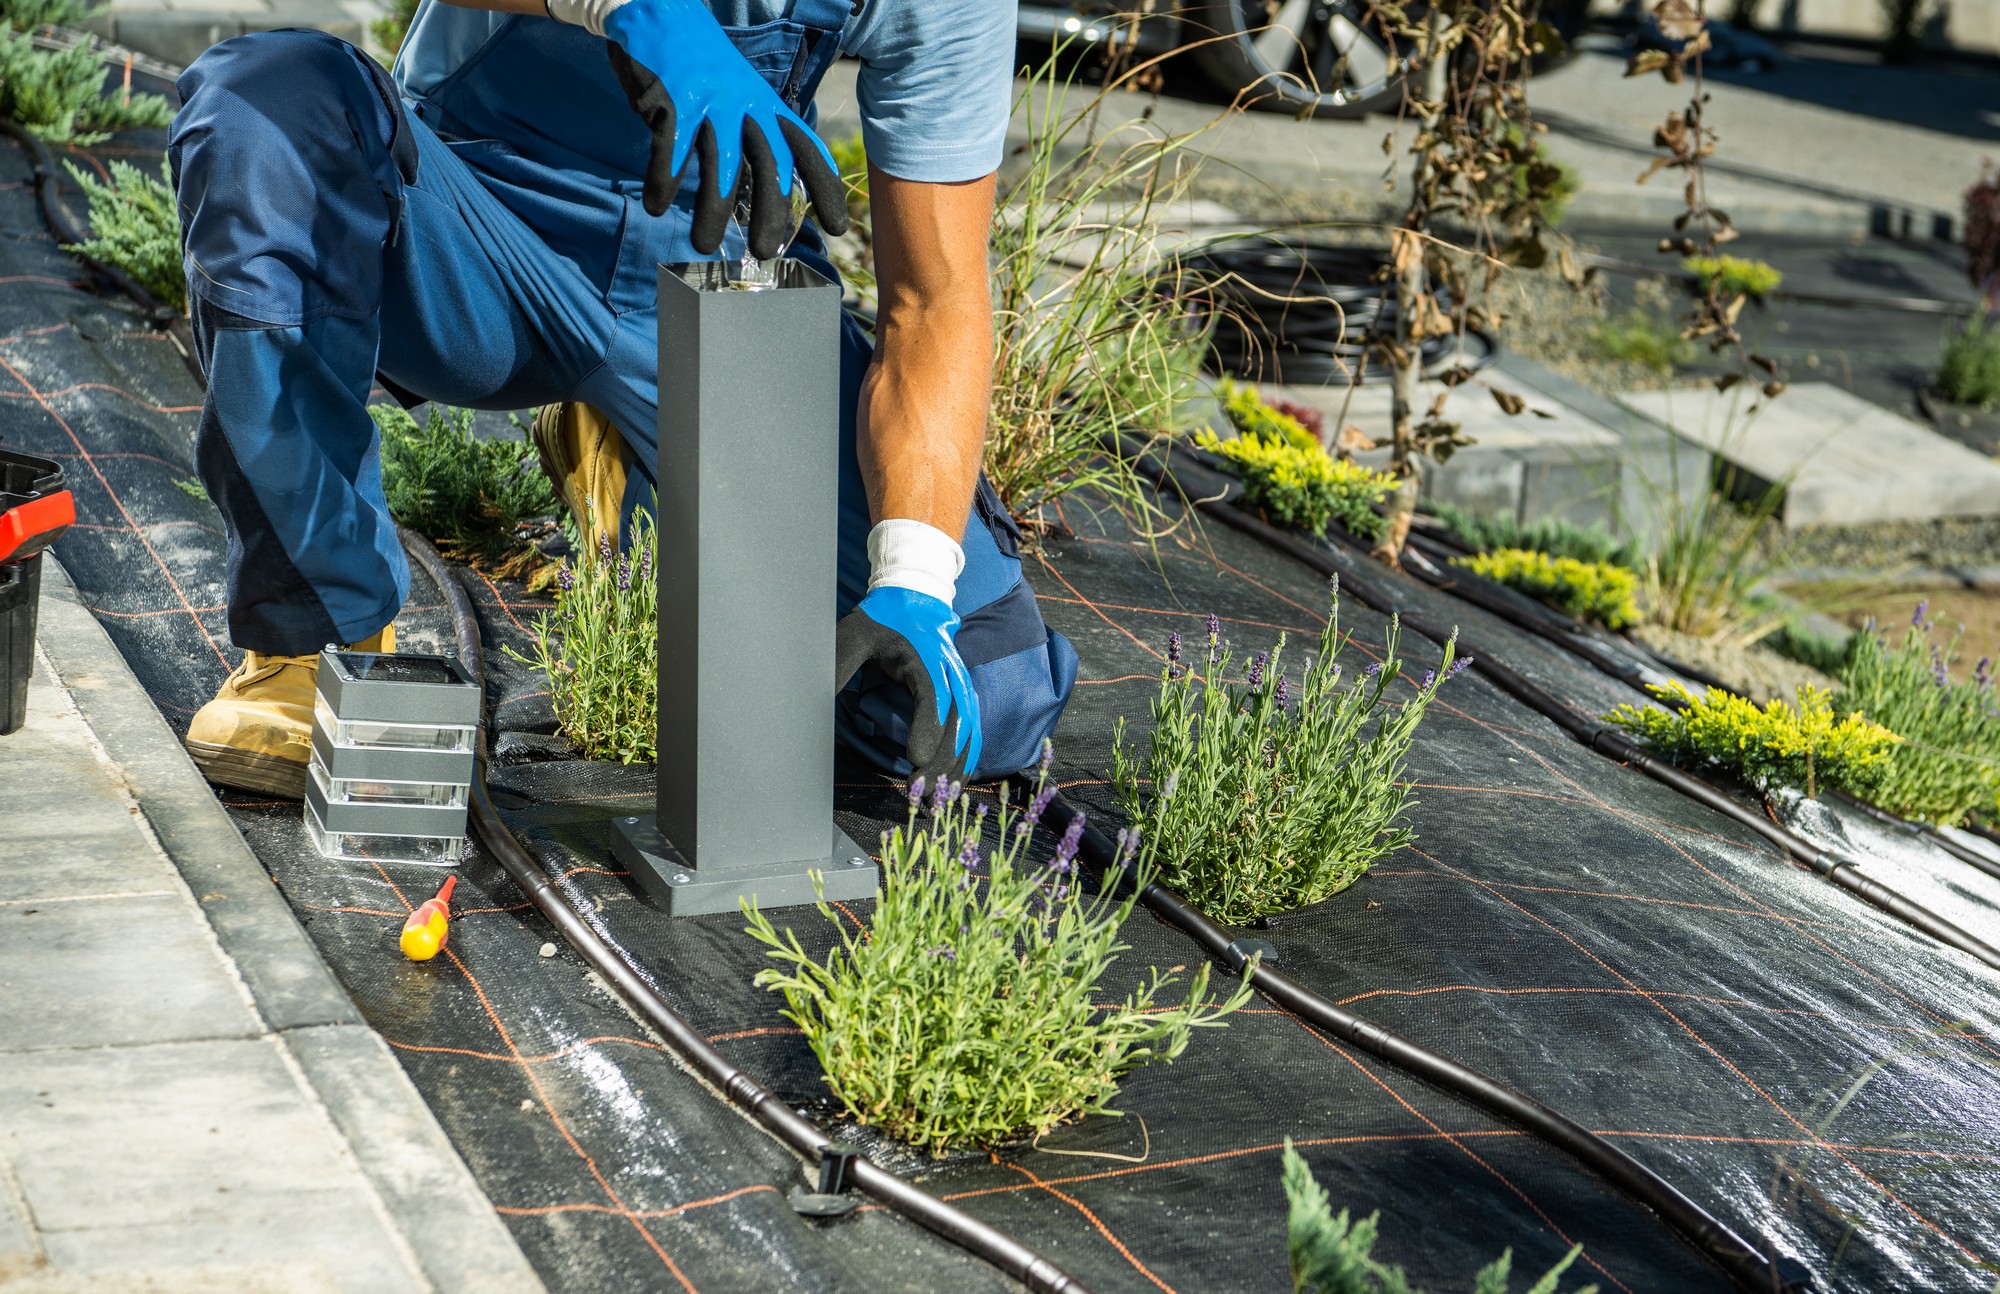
(586, 458)
(256, 734)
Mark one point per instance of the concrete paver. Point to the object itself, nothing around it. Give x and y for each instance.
(1843, 460)
(161, 1132)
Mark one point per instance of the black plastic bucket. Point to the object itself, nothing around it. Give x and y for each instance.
(20, 600)
(35, 508)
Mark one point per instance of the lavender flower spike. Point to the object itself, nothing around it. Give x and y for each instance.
(1917, 616)
(1373, 669)
(1048, 754)
(1040, 804)
(1257, 670)
(916, 790)
(1129, 845)
(565, 577)
(1458, 667)
(1214, 639)
(1982, 673)
(1174, 648)
(1430, 677)
(942, 794)
(1284, 692)
(1071, 840)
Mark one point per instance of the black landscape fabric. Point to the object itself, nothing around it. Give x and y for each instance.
(1820, 1077)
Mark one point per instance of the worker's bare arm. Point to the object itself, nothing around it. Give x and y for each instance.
(923, 404)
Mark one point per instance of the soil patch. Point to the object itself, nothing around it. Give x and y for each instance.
(1755, 671)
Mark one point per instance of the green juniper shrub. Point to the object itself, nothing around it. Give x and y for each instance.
(1261, 800)
(1969, 371)
(1482, 531)
(1331, 1254)
(1287, 472)
(1948, 764)
(1587, 590)
(29, 15)
(1735, 276)
(465, 493)
(600, 648)
(1778, 745)
(972, 1011)
(135, 226)
(60, 95)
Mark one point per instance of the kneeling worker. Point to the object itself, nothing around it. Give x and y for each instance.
(481, 229)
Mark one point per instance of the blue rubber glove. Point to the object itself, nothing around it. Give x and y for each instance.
(699, 97)
(908, 635)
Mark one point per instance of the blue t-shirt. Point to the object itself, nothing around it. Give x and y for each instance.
(934, 88)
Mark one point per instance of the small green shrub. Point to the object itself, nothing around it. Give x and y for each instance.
(1734, 276)
(464, 493)
(1331, 1255)
(1483, 532)
(1969, 370)
(136, 226)
(1770, 747)
(1647, 337)
(390, 29)
(1262, 802)
(1288, 473)
(970, 1012)
(1948, 764)
(1824, 652)
(600, 648)
(60, 95)
(1587, 590)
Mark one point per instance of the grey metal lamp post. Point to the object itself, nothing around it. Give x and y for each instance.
(748, 514)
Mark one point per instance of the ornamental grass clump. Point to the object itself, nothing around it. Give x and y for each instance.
(600, 648)
(1778, 745)
(1331, 1254)
(1261, 799)
(973, 1010)
(1288, 473)
(135, 226)
(1587, 590)
(1947, 766)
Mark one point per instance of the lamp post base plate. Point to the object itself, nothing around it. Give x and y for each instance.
(680, 890)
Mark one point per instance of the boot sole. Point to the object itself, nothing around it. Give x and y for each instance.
(247, 771)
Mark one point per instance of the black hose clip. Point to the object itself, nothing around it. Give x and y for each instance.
(832, 1199)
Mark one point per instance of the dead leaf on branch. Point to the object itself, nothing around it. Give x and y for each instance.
(1775, 388)
(1353, 440)
(1510, 404)
(1677, 19)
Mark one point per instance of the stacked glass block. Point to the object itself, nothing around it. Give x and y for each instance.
(392, 758)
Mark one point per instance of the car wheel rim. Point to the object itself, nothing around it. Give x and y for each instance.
(1329, 50)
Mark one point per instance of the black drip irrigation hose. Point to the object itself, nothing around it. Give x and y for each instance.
(1608, 741)
(1750, 1268)
(68, 233)
(611, 962)
(1578, 640)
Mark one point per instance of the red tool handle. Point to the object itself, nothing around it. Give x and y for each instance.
(28, 528)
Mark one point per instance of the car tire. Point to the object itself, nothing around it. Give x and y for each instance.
(1319, 58)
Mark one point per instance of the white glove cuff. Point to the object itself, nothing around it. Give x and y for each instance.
(588, 14)
(910, 555)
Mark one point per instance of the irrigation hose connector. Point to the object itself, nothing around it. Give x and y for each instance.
(749, 483)
(394, 750)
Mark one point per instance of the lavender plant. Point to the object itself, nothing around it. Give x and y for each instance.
(971, 1011)
(600, 648)
(1261, 799)
(1948, 764)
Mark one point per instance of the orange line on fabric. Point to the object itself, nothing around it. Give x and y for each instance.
(589, 1163)
(1182, 615)
(752, 1033)
(1043, 558)
(1733, 1068)
(725, 1197)
(120, 505)
(106, 386)
(1097, 1222)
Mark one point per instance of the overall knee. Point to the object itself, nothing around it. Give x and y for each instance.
(285, 156)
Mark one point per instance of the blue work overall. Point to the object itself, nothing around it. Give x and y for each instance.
(484, 245)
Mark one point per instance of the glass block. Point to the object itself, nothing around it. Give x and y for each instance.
(373, 735)
(362, 790)
(428, 851)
